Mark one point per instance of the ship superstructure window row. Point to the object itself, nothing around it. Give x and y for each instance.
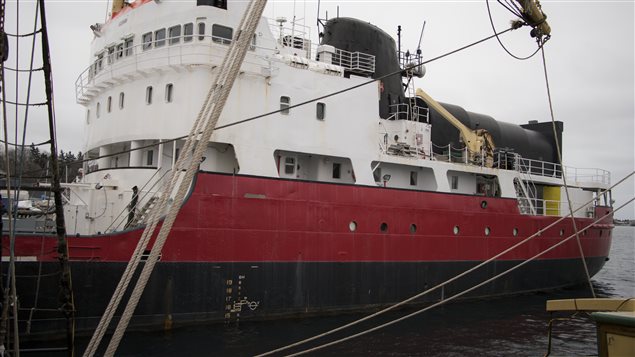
(162, 37)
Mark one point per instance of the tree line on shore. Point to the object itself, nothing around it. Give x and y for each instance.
(32, 165)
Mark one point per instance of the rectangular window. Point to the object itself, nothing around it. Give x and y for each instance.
(289, 165)
(455, 182)
(150, 158)
(377, 175)
(201, 31)
(159, 38)
(320, 110)
(337, 170)
(97, 109)
(121, 100)
(87, 116)
(128, 46)
(221, 4)
(147, 41)
(188, 30)
(285, 102)
(252, 47)
(168, 92)
(222, 34)
(111, 54)
(109, 104)
(119, 53)
(149, 95)
(175, 34)
(100, 62)
(413, 178)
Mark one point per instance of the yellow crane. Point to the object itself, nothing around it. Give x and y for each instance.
(479, 142)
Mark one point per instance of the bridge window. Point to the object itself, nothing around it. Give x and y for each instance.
(111, 54)
(174, 33)
(201, 31)
(284, 105)
(159, 38)
(221, 4)
(188, 30)
(128, 46)
(119, 51)
(147, 41)
(222, 34)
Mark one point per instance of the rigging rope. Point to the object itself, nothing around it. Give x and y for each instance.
(564, 176)
(541, 43)
(206, 120)
(453, 297)
(438, 286)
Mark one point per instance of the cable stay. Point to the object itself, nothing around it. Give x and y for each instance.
(455, 278)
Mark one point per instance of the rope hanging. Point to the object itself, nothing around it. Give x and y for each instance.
(207, 119)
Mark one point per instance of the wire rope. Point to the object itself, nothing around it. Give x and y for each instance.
(414, 297)
(453, 297)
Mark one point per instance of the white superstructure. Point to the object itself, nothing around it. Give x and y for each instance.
(151, 68)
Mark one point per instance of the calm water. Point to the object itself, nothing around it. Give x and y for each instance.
(515, 326)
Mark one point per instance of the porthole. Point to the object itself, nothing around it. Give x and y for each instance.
(515, 232)
(456, 230)
(483, 204)
(413, 228)
(383, 227)
(487, 231)
(352, 226)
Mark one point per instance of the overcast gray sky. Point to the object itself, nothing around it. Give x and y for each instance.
(590, 61)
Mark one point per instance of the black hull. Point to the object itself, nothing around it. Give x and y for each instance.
(181, 294)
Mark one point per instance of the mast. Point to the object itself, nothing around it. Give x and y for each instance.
(68, 306)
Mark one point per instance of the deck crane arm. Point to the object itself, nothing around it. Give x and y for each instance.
(477, 141)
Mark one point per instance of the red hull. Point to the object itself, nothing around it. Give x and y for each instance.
(232, 218)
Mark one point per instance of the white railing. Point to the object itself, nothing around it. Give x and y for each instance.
(403, 111)
(208, 51)
(356, 62)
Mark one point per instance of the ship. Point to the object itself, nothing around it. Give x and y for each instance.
(347, 203)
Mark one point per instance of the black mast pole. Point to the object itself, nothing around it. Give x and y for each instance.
(66, 297)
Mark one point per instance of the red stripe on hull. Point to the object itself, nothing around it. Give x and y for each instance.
(253, 219)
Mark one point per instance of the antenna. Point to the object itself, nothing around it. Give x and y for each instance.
(419, 44)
